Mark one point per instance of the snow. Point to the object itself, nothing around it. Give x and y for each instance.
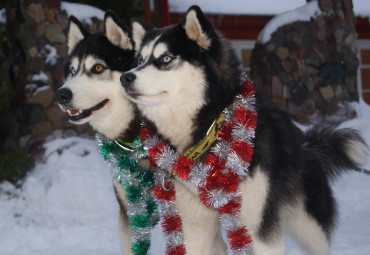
(304, 13)
(40, 89)
(361, 8)
(2, 15)
(245, 7)
(50, 54)
(41, 77)
(67, 205)
(82, 11)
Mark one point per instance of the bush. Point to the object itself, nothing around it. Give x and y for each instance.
(14, 165)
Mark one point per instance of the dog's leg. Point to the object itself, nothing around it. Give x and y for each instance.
(307, 232)
(200, 224)
(124, 224)
(254, 197)
(218, 245)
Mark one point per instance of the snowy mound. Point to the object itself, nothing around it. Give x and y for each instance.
(304, 13)
(67, 205)
(82, 11)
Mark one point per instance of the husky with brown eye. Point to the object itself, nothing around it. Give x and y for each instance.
(189, 76)
(91, 92)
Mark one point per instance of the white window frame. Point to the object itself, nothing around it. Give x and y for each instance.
(361, 44)
(239, 45)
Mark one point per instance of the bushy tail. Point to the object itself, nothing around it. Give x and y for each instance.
(336, 149)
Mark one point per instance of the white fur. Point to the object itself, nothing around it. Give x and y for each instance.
(254, 194)
(200, 224)
(147, 50)
(194, 30)
(124, 225)
(90, 61)
(116, 35)
(87, 91)
(138, 33)
(171, 99)
(305, 230)
(74, 36)
(160, 48)
(357, 151)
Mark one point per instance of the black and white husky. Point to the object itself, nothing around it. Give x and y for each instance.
(186, 76)
(92, 91)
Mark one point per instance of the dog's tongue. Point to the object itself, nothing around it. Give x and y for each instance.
(74, 111)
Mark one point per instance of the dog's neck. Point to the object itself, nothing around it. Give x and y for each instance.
(173, 123)
(121, 123)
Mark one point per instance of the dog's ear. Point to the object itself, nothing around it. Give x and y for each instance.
(116, 32)
(198, 28)
(76, 33)
(139, 30)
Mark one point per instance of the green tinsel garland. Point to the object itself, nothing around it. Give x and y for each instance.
(138, 183)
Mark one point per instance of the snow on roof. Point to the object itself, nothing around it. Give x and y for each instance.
(304, 13)
(253, 7)
(260, 7)
(361, 8)
(83, 12)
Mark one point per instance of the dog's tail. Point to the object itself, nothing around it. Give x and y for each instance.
(336, 149)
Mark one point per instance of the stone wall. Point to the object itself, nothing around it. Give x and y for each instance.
(38, 51)
(309, 68)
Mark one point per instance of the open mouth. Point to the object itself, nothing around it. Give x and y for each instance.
(77, 114)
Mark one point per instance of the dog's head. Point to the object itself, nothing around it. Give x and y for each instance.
(171, 60)
(190, 58)
(185, 74)
(92, 92)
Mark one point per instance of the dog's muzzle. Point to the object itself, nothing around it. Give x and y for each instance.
(63, 96)
(127, 79)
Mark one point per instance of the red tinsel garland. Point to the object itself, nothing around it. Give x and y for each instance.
(218, 177)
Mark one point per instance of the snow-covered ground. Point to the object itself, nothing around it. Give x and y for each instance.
(67, 205)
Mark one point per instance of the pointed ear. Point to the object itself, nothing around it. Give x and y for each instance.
(139, 29)
(76, 33)
(116, 32)
(198, 28)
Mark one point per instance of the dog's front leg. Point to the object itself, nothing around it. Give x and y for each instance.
(124, 224)
(200, 224)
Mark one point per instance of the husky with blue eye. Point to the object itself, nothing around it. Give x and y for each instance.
(92, 94)
(187, 75)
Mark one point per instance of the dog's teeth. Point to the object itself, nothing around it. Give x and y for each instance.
(74, 112)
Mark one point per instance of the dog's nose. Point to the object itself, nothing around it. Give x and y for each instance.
(127, 78)
(63, 96)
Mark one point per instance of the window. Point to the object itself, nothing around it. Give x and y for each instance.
(243, 49)
(364, 69)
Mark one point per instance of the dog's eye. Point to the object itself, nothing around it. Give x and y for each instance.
(140, 60)
(166, 59)
(98, 68)
(73, 70)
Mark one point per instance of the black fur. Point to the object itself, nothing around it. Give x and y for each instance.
(299, 166)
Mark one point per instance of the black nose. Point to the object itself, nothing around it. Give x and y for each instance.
(63, 96)
(127, 78)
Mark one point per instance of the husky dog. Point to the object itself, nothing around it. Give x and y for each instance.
(186, 76)
(92, 91)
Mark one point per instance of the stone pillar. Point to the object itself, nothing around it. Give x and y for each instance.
(37, 42)
(309, 68)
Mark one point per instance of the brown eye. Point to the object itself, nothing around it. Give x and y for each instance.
(98, 68)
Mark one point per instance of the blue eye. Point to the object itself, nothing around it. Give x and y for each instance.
(73, 70)
(166, 59)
